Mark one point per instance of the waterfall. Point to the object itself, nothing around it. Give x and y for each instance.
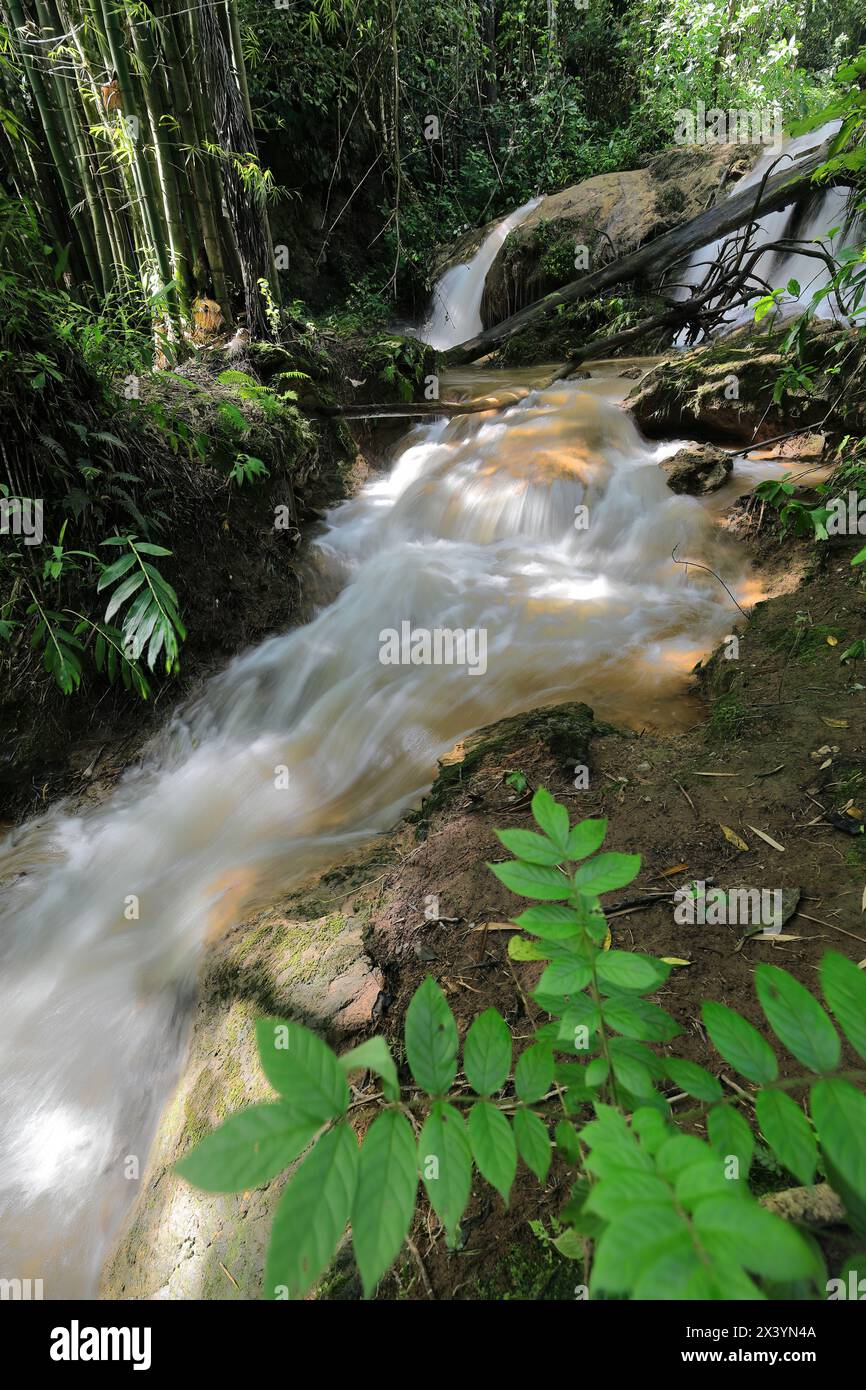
(807, 221)
(455, 308)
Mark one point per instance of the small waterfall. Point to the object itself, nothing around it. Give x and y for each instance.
(455, 308)
(808, 221)
(477, 528)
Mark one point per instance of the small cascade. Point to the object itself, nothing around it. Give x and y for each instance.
(810, 220)
(455, 308)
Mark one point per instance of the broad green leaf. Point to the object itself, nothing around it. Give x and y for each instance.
(526, 845)
(374, 1055)
(679, 1152)
(111, 573)
(124, 591)
(493, 1146)
(743, 1233)
(568, 1141)
(585, 838)
(844, 989)
(605, 872)
(725, 1281)
(554, 921)
(385, 1197)
(730, 1136)
(248, 1149)
(651, 1128)
(521, 949)
(638, 1018)
(578, 1023)
(550, 817)
(565, 977)
(839, 1113)
(705, 1178)
(487, 1053)
(797, 1019)
(445, 1160)
(532, 880)
(740, 1043)
(671, 1276)
(533, 1142)
(302, 1068)
(632, 1244)
(694, 1080)
(621, 1188)
(630, 971)
(431, 1039)
(633, 1075)
(570, 1245)
(312, 1215)
(534, 1072)
(788, 1133)
(597, 1072)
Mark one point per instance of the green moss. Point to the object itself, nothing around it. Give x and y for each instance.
(565, 729)
(529, 1272)
(728, 719)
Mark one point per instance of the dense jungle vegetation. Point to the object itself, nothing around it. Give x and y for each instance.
(290, 169)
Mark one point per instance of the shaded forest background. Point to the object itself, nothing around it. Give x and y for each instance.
(212, 215)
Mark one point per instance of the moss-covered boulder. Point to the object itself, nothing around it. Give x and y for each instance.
(744, 389)
(609, 215)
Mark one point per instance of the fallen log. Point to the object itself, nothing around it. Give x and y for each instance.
(409, 409)
(779, 190)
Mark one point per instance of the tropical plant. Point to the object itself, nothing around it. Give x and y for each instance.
(655, 1210)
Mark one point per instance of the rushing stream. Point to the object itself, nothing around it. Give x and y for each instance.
(309, 743)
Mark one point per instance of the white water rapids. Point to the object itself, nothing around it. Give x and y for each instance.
(473, 528)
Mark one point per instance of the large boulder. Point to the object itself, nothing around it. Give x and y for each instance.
(610, 215)
(728, 390)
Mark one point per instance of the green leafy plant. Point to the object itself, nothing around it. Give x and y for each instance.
(247, 469)
(151, 625)
(654, 1211)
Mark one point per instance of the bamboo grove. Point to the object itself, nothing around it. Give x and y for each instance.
(126, 131)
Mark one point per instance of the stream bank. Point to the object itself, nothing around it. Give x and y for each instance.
(235, 560)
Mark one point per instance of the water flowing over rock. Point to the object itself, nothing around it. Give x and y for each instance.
(610, 215)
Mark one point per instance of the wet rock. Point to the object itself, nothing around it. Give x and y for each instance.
(183, 1243)
(724, 391)
(697, 469)
(610, 215)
